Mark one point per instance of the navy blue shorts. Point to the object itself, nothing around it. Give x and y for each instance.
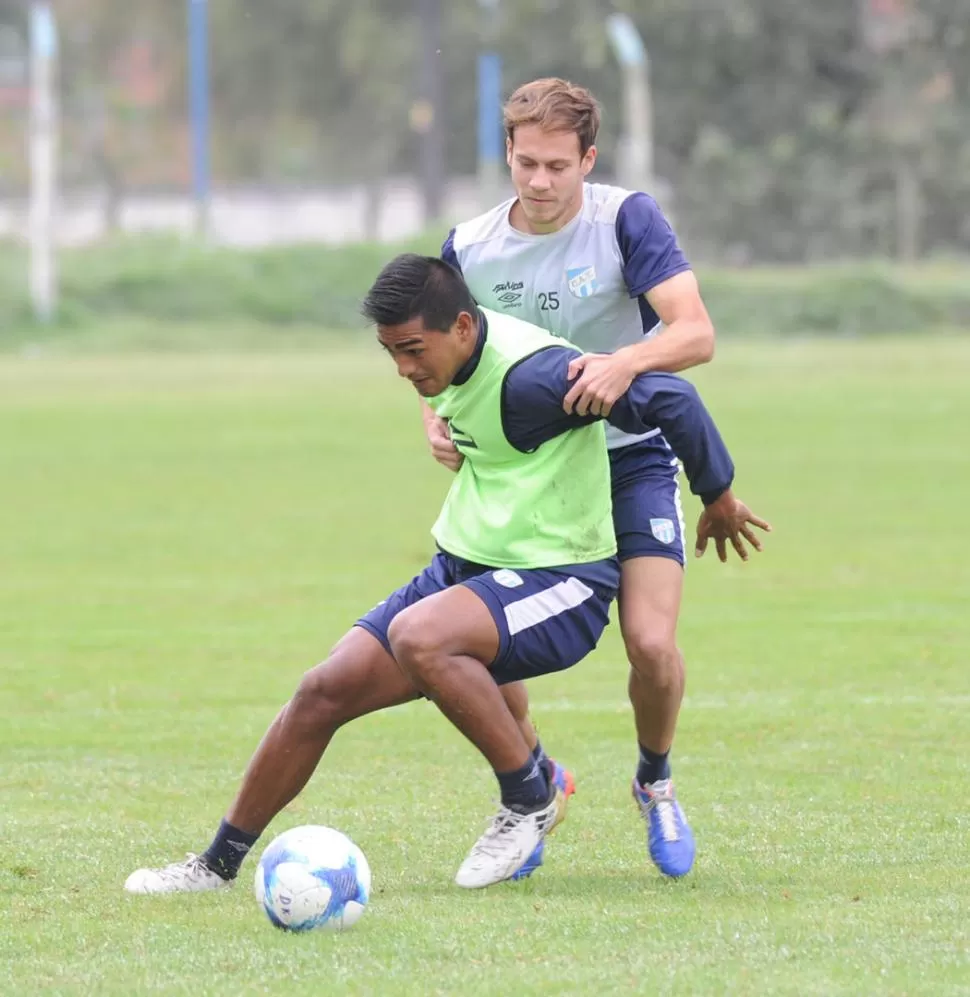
(548, 619)
(647, 515)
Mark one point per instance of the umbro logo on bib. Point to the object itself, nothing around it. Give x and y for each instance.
(582, 281)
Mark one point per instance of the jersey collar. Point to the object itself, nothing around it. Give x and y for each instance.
(569, 227)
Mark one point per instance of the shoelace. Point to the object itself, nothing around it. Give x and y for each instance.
(189, 869)
(502, 823)
(666, 810)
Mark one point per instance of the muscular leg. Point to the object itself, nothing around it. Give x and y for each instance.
(358, 677)
(445, 643)
(650, 595)
(649, 604)
(517, 700)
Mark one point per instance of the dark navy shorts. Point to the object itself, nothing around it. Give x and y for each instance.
(548, 619)
(647, 514)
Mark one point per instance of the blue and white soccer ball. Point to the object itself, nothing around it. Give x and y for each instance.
(313, 877)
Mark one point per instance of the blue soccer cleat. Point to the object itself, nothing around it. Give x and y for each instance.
(564, 781)
(669, 837)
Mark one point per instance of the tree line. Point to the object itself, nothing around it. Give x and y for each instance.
(787, 131)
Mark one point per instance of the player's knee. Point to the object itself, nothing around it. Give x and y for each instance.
(654, 655)
(318, 703)
(415, 645)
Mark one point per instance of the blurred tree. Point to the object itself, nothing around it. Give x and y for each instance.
(789, 130)
(789, 137)
(120, 60)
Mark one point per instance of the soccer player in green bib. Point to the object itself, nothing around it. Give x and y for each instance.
(522, 582)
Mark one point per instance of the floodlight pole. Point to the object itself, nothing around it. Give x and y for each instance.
(635, 159)
(491, 151)
(43, 160)
(428, 112)
(198, 25)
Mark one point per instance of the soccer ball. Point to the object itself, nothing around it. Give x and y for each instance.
(313, 877)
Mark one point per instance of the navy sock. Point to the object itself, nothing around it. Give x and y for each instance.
(228, 849)
(652, 767)
(526, 789)
(542, 760)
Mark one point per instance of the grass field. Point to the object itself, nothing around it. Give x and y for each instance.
(182, 537)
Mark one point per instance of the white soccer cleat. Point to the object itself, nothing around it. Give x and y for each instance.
(190, 876)
(508, 843)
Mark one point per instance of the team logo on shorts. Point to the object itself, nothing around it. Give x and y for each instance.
(663, 530)
(508, 578)
(582, 281)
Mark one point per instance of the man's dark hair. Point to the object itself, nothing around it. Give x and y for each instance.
(411, 286)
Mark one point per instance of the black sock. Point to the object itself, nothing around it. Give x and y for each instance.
(543, 760)
(526, 789)
(228, 849)
(652, 767)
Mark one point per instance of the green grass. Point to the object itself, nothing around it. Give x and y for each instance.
(182, 536)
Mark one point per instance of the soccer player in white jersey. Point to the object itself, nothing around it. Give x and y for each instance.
(600, 266)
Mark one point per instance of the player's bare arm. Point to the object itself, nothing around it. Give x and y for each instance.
(687, 340)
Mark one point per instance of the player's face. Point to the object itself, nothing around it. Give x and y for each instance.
(547, 173)
(427, 358)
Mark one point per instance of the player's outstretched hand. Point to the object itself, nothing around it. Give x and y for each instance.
(603, 378)
(728, 519)
(442, 449)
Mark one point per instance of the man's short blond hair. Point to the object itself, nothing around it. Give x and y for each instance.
(554, 105)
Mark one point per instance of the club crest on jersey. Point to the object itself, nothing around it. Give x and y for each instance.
(582, 281)
(663, 530)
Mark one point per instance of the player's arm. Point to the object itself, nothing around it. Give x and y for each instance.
(674, 405)
(655, 268)
(532, 414)
(435, 428)
(687, 338)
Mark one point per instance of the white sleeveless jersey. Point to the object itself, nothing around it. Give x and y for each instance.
(585, 282)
